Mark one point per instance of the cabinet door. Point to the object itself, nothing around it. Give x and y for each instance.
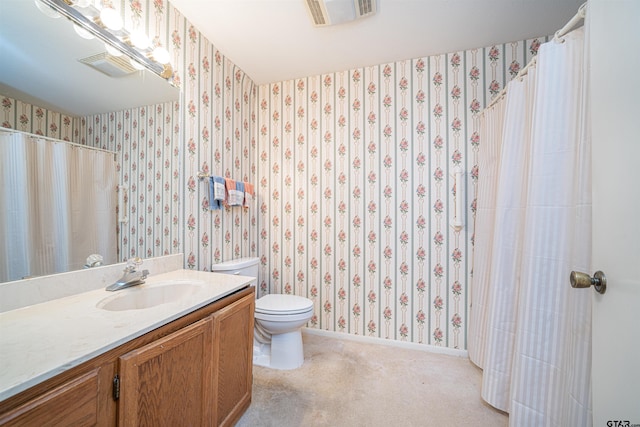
(233, 360)
(78, 402)
(168, 382)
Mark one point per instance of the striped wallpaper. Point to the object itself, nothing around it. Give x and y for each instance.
(148, 163)
(357, 194)
(162, 148)
(352, 171)
(31, 118)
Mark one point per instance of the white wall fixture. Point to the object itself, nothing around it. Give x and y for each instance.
(123, 204)
(456, 222)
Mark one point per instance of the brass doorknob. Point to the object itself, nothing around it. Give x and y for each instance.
(583, 280)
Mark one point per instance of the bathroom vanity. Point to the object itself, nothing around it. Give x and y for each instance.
(170, 358)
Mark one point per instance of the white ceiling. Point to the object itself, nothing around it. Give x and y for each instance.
(274, 40)
(271, 40)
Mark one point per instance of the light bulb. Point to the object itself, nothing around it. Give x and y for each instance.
(111, 19)
(82, 32)
(161, 55)
(112, 50)
(46, 10)
(139, 39)
(136, 64)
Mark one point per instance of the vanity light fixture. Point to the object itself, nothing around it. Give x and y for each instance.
(82, 32)
(139, 39)
(112, 50)
(135, 64)
(111, 19)
(46, 10)
(161, 55)
(106, 25)
(81, 3)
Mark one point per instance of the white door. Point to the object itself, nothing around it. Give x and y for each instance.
(615, 119)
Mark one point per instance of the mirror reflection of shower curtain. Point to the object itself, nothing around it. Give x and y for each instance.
(57, 206)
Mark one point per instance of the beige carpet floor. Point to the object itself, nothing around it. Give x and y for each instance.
(351, 383)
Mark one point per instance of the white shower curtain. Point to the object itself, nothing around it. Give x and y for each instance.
(531, 331)
(57, 205)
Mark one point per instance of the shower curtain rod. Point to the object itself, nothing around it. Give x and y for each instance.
(48, 138)
(557, 37)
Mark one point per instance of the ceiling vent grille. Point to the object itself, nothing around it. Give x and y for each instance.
(366, 7)
(333, 12)
(317, 16)
(113, 66)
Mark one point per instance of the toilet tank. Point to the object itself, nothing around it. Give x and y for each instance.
(241, 266)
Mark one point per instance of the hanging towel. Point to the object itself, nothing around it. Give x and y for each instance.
(217, 192)
(212, 202)
(248, 194)
(232, 193)
(239, 193)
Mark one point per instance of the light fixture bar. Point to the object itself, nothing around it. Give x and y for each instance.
(64, 8)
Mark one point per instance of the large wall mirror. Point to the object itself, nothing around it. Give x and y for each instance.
(40, 66)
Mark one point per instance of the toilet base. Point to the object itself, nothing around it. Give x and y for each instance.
(285, 351)
(261, 354)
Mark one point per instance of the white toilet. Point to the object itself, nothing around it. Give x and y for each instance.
(278, 319)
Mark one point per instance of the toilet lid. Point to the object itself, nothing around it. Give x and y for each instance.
(283, 304)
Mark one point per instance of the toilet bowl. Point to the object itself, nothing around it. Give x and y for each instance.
(278, 320)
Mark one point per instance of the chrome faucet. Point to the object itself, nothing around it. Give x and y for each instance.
(131, 276)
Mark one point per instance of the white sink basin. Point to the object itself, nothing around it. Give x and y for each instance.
(142, 296)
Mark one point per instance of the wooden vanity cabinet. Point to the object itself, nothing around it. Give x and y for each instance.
(196, 370)
(168, 382)
(77, 402)
(200, 375)
(233, 360)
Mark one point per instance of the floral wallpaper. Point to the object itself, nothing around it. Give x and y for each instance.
(148, 163)
(169, 146)
(162, 148)
(357, 193)
(218, 125)
(31, 118)
(353, 174)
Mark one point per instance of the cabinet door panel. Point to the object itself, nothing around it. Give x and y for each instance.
(74, 403)
(233, 359)
(168, 382)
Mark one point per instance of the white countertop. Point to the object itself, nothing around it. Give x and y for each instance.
(40, 341)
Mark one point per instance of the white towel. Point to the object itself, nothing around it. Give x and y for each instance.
(217, 192)
(239, 195)
(234, 196)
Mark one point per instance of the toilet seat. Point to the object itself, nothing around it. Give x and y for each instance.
(305, 316)
(283, 305)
